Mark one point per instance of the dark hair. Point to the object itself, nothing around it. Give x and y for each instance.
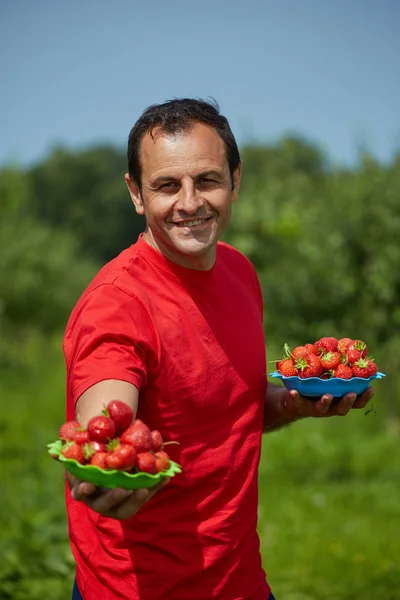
(175, 116)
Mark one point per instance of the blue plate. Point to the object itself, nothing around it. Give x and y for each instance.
(314, 387)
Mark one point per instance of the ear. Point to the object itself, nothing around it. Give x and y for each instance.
(236, 182)
(135, 194)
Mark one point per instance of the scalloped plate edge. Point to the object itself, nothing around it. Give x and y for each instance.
(54, 449)
(277, 375)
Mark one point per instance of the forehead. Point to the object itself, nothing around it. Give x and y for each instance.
(199, 147)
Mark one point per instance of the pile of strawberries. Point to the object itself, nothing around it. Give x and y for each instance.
(326, 358)
(114, 440)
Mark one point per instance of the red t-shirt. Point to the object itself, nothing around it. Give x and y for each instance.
(192, 342)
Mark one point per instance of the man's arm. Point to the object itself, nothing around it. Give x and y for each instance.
(282, 406)
(116, 503)
(92, 402)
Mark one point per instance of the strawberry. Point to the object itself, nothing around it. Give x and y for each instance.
(68, 430)
(343, 372)
(120, 456)
(82, 436)
(286, 367)
(302, 351)
(356, 350)
(162, 461)
(330, 360)
(73, 450)
(157, 439)
(325, 344)
(364, 367)
(309, 367)
(373, 369)
(101, 429)
(91, 448)
(343, 344)
(139, 436)
(146, 462)
(98, 446)
(120, 413)
(99, 460)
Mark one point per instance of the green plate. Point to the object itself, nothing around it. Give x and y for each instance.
(112, 478)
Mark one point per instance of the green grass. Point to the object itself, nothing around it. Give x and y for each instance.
(329, 497)
(329, 510)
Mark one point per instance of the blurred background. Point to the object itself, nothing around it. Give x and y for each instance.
(312, 90)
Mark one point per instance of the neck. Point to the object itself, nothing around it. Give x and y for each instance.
(204, 262)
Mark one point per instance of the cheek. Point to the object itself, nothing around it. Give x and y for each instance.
(158, 209)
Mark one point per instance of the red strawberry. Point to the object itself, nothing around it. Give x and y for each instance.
(120, 456)
(343, 371)
(146, 462)
(99, 460)
(302, 351)
(157, 439)
(286, 367)
(73, 450)
(120, 413)
(330, 360)
(309, 367)
(68, 430)
(325, 344)
(356, 350)
(98, 446)
(139, 436)
(343, 344)
(364, 367)
(82, 436)
(90, 448)
(101, 429)
(162, 461)
(373, 369)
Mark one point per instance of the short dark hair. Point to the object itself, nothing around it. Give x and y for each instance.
(175, 116)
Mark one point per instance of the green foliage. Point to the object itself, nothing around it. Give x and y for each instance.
(85, 193)
(41, 272)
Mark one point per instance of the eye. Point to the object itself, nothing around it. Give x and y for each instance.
(169, 185)
(207, 181)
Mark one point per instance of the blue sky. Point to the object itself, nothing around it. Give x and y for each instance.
(81, 72)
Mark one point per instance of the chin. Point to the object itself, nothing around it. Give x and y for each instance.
(195, 248)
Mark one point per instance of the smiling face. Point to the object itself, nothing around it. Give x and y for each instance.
(186, 194)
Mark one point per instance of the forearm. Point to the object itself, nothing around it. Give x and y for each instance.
(276, 413)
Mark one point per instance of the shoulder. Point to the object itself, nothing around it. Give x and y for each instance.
(112, 288)
(233, 257)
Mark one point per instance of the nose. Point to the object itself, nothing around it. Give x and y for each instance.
(188, 200)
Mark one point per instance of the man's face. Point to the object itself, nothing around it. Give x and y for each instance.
(186, 194)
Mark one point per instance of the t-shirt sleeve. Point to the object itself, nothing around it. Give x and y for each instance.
(110, 337)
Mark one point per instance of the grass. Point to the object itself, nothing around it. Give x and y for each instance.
(329, 508)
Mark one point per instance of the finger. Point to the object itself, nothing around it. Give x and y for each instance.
(106, 501)
(81, 490)
(363, 399)
(345, 404)
(322, 406)
(293, 404)
(130, 505)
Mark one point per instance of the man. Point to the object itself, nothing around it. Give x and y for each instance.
(173, 327)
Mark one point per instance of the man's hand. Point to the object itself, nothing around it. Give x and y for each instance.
(282, 406)
(299, 407)
(114, 503)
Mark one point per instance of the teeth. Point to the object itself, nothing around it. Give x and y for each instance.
(191, 223)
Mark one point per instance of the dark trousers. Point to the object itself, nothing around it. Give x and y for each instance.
(76, 595)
